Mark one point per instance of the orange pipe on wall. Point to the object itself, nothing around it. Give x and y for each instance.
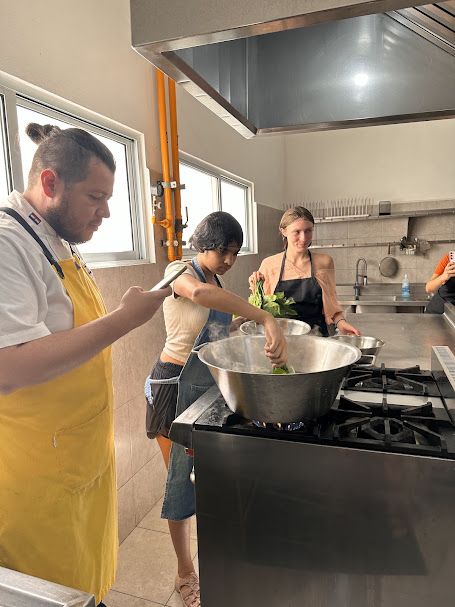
(168, 222)
(175, 165)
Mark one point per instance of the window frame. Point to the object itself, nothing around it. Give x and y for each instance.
(221, 174)
(17, 93)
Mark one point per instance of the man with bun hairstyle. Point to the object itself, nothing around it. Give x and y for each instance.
(58, 511)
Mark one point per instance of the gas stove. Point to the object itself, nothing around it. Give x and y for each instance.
(354, 508)
(378, 408)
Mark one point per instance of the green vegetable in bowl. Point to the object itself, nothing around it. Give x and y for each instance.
(283, 370)
(277, 304)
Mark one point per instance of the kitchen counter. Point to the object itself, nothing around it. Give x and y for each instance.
(408, 337)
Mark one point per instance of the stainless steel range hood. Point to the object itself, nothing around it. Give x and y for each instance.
(305, 65)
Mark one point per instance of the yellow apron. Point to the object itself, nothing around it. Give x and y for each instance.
(58, 508)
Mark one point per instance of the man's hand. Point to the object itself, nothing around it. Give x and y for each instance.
(138, 306)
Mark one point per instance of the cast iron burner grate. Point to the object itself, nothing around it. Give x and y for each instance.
(389, 423)
(415, 430)
(411, 380)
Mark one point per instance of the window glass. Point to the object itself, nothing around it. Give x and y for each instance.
(199, 197)
(3, 158)
(206, 191)
(234, 201)
(115, 234)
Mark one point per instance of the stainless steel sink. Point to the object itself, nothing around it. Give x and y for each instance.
(378, 297)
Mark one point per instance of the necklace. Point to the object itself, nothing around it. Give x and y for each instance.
(299, 269)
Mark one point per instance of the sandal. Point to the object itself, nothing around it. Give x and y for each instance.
(188, 588)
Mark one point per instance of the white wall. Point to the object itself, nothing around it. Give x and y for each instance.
(401, 162)
(82, 51)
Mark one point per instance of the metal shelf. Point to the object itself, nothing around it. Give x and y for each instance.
(365, 217)
(372, 244)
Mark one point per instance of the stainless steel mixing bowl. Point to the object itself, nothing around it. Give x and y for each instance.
(244, 376)
(369, 346)
(289, 326)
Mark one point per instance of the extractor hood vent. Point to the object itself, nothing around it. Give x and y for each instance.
(338, 71)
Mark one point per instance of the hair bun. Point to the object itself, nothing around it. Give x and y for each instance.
(40, 132)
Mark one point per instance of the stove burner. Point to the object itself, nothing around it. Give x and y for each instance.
(279, 427)
(391, 384)
(398, 381)
(380, 427)
(389, 424)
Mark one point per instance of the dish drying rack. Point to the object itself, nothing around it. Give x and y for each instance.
(343, 208)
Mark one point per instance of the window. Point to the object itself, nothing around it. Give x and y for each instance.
(122, 238)
(4, 171)
(208, 189)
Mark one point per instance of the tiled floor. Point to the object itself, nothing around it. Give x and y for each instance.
(147, 565)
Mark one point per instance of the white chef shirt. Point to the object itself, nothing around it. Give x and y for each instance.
(33, 301)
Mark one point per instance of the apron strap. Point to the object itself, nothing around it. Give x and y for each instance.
(197, 268)
(311, 264)
(50, 258)
(283, 261)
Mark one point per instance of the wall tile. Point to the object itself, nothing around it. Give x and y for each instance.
(122, 444)
(126, 510)
(119, 364)
(344, 277)
(327, 231)
(365, 231)
(149, 484)
(142, 448)
(443, 225)
(394, 228)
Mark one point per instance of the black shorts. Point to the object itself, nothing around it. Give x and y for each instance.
(161, 412)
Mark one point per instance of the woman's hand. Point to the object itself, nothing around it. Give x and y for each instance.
(346, 329)
(252, 280)
(449, 271)
(276, 348)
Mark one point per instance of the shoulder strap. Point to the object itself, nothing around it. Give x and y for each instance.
(197, 268)
(51, 259)
(311, 263)
(283, 261)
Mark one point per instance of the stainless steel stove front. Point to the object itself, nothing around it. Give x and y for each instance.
(284, 523)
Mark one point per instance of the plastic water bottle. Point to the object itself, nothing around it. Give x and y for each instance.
(405, 292)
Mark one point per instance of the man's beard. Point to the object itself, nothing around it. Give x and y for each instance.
(58, 218)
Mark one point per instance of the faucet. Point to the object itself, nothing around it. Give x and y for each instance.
(364, 282)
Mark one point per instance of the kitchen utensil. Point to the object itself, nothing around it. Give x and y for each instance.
(368, 346)
(388, 266)
(166, 281)
(288, 326)
(244, 376)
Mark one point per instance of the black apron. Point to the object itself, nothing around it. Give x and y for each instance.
(445, 294)
(307, 294)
